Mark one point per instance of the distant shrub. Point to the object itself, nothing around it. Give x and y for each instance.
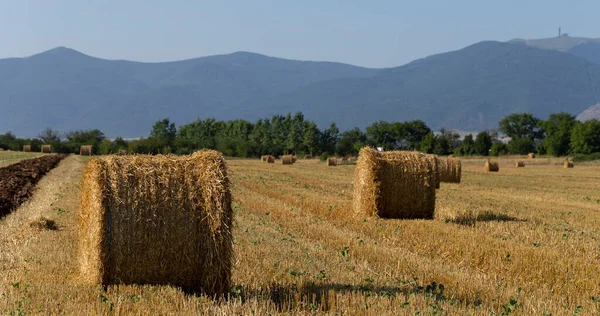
(589, 157)
(324, 157)
(498, 148)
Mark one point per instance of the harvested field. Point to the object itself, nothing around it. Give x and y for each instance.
(529, 245)
(18, 180)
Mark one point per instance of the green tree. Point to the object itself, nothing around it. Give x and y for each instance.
(521, 145)
(467, 147)
(310, 137)
(380, 134)
(558, 128)
(498, 148)
(77, 138)
(520, 125)
(416, 131)
(483, 144)
(329, 139)
(586, 137)
(350, 140)
(164, 132)
(428, 143)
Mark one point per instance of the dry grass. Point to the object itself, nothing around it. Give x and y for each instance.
(529, 245)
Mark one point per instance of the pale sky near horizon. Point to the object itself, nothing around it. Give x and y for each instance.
(365, 33)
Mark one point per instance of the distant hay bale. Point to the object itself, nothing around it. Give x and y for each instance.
(1, 149)
(568, 164)
(307, 157)
(157, 220)
(394, 184)
(263, 158)
(451, 156)
(450, 169)
(530, 155)
(85, 150)
(27, 148)
(123, 152)
(519, 164)
(270, 159)
(287, 159)
(491, 166)
(331, 162)
(46, 149)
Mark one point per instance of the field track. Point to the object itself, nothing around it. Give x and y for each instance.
(524, 240)
(18, 180)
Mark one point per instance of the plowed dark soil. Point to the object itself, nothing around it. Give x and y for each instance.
(18, 180)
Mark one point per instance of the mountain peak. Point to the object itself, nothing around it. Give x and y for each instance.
(63, 52)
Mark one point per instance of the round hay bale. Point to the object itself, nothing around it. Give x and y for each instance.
(491, 166)
(331, 162)
(46, 149)
(568, 164)
(530, 155)
(287, 159)
(123, 152)
(394, 184)
(85, 150)
(519, 164)
(157, 220)
(450, 169)
(263, 158)
(436, 171)
(270, 159)
(27, 148)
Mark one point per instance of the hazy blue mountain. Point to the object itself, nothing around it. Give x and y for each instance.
(593, 112)
(65, 89)
(468, 89)
(587, 48)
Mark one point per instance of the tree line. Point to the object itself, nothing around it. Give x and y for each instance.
(559, 135)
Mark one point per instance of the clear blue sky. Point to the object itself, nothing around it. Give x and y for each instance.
(365, 33)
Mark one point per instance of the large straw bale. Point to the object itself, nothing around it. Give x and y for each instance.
(450, 169)
(46, 149)
(568, 164)
(530, 155)
(519, 164)
(436, 172)
(331, 162)
(85, 150)
(287, 159)
(491, 166)
(394, 184)
(27, 148)
(157, 220)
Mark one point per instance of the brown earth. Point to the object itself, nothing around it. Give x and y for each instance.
(18, 180)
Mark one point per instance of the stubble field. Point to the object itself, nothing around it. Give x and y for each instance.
(521, 241)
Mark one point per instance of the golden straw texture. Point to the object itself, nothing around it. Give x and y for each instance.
(491, 166)
(519, 164)
(287, 159)
(85, 150)
(331, 162)
(157, 220)
(394, 184)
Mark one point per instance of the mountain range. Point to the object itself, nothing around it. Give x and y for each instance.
(468, 89)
